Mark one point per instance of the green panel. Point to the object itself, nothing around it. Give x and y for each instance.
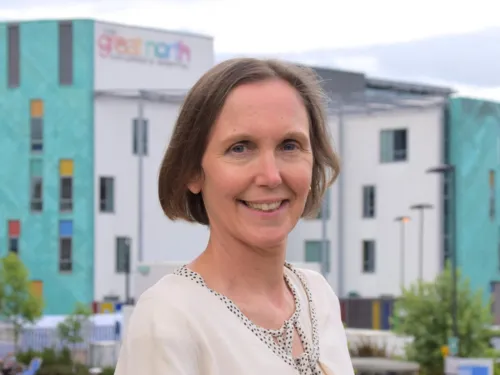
(474, 150)
(68, 133)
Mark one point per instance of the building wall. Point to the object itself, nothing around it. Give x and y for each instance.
(398, 186)
(164, 240)
(68, 134)
(475, 151)
(133, 58)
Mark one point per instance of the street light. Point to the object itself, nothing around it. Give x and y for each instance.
(421, 207)
(449, 172)
(402, 220)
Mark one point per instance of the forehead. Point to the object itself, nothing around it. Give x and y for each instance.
(254, 107)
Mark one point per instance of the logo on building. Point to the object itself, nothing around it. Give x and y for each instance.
(114, 46)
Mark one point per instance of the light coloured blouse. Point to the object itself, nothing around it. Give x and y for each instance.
(179, 326)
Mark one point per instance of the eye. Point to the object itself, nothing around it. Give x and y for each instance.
(239, 148)
(290, 145)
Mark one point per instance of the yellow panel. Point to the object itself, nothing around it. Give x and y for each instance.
(37, 288)
(107, 307)
(66, 167)
(376, 314)
(36, 109)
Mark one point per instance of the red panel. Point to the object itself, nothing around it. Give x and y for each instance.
(14, 228)
(95, 307)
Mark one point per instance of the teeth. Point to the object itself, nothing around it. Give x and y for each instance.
(264, 206)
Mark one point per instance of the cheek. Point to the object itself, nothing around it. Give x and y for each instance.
(299, 178)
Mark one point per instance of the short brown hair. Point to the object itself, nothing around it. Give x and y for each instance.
(202, 106)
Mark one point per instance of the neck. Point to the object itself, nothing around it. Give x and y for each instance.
(230, 265)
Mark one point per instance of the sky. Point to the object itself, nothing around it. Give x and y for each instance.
(279, 26)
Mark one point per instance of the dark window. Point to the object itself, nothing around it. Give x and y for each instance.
(65, 254)
(492, 195)
(137, 136)
(368, 265)
(393, 145)
(368, 201)
(107, 194)
(14, 244)
(36, 197)
(13, 59)
(66, 198)
(122, 254)
(36, 134)
(66, 53)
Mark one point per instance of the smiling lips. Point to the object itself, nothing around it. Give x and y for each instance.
(265, 207)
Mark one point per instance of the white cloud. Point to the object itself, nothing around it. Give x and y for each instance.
(273, 26)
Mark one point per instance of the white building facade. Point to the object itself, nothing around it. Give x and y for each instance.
(139, 73)
(379, 182)
(373, 188)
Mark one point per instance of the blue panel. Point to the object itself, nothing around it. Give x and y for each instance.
(475, 140)
(66, 228)
(68, 134)
(386, 314)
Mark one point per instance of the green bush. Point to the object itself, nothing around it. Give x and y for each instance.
(108, 371)
(365, 347)
(50, 358)
(61, 369)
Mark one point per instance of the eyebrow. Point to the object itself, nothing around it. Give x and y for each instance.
(238, 137)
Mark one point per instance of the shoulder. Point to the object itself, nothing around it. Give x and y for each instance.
(317, 284)
(159, 337)
(161, 309)
(325, 300)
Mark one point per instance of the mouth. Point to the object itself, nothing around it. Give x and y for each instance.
(265, 207)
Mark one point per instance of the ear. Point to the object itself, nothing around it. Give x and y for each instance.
(196, 184)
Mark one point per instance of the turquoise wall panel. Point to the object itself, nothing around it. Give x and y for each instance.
(474, 141)
(68, 134)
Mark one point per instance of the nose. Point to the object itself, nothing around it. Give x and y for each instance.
(268, 171)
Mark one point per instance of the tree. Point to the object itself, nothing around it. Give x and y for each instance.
(70, 329)
(17, 303)
(424, 313)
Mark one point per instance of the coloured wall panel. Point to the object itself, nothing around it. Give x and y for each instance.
(67, 134)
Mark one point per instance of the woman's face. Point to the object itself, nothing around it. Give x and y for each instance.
(257, 167)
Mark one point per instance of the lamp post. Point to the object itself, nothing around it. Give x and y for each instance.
(402, 220)
(449, 172)
(421, 207)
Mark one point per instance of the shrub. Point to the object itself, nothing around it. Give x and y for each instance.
(365, 347)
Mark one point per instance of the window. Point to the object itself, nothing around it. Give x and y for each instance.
(66, 185)
(106, 194)
(66, 53)
(314, 253)
(140, 136)
(36, 189)
(65, 246)
(325, 206)
(13, 58)
(368, 256)
(122, 254)
(14, 232)
(393, 145)
(36, 125)
(492, 195)
(369, 201)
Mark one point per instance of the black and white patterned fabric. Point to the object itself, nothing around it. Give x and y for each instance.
(279, 341)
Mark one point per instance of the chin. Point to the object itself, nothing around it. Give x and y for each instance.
(267, 239)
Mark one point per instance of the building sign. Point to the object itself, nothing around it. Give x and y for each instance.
(112, 45)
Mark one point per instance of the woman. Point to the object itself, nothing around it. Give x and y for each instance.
(249, 156)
